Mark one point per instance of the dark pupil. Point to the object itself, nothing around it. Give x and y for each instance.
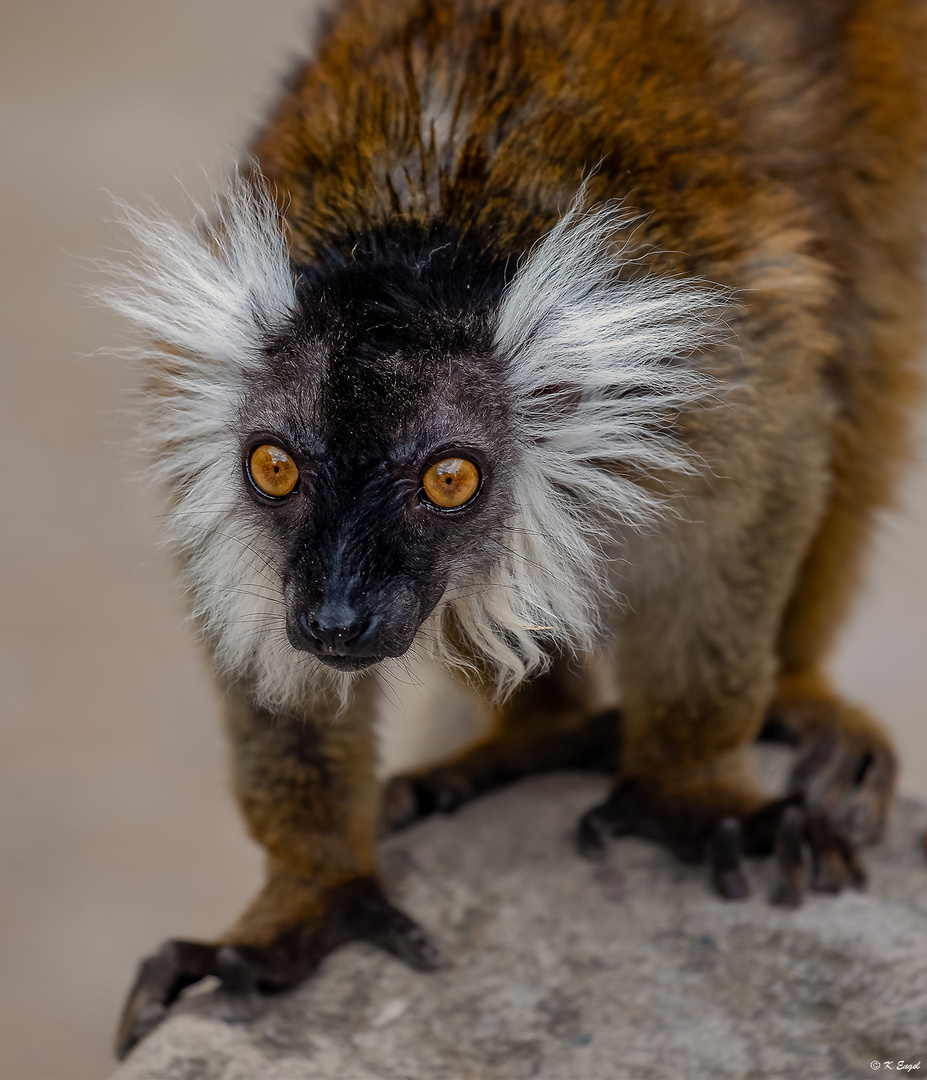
(276, 468)
(449, 480)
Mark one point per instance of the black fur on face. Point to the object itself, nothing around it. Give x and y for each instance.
(388, 368)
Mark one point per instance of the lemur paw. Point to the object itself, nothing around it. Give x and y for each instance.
(852, 780)
(407, 799)
(785, 828)
(845, 766)
(359, 912)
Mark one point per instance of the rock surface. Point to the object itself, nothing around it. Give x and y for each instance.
(564, 969)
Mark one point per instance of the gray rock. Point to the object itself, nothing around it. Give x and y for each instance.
(564, 969)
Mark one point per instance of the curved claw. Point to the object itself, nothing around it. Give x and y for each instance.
(790, 888)
(358, 912)
(160, 980)
(726, 855)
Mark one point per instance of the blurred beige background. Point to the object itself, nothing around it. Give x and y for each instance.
(116, 830)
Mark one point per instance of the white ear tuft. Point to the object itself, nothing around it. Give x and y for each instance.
(210, 294)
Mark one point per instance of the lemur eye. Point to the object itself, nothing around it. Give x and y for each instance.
(451, 482)
(272, 470)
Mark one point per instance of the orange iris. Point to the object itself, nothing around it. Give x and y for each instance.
(273, 470)
(451, 482)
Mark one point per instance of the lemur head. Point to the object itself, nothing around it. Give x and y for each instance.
(414, 442)
(377, 442)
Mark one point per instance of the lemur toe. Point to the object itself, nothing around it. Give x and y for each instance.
(160, 980)
(382, 924)
(593, 834)
(835, 862)
(726, 856)
(789, 890)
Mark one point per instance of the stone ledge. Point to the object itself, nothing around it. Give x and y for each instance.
(568, 971)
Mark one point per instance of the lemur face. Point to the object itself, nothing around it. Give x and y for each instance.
(376, 446)
(416, 422)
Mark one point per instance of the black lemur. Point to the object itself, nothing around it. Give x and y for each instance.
(542, 339)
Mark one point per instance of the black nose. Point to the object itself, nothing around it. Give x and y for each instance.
(335, 633)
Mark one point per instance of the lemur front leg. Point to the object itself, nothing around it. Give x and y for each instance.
(698, 662)
(547, 724)
(307, 787)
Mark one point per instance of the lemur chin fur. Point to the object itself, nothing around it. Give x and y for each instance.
(531, 338)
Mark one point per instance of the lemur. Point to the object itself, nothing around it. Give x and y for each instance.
(541, 339)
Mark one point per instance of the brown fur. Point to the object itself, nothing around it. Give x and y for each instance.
(773, 148)
(776, 147)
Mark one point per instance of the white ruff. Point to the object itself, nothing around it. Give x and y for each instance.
(598, 368)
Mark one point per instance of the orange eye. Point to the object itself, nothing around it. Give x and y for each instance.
(272, 470)
(451, 482)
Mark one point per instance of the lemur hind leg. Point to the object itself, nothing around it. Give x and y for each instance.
(308, 790)
(550, 723)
